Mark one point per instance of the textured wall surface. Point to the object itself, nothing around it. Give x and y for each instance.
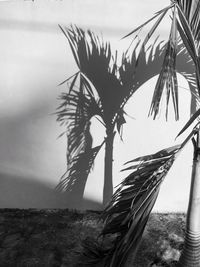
(34, 59)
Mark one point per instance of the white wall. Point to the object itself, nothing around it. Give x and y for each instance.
(34, 59)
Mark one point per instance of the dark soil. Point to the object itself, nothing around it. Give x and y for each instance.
(53, 238)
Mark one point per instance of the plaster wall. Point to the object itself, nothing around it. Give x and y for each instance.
(34, 59)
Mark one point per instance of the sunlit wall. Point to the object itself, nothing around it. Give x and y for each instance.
(34, 59)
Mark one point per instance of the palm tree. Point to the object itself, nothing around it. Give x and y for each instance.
(90, 95)
(128, 212)
(186, 23)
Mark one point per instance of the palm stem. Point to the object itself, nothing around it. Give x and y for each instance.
(190, 256)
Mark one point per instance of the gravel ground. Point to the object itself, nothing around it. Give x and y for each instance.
(52, 238)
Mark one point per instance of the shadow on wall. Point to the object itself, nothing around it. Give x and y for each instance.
(24, 145)
(108, 81)
(23, 139)
(26, 192)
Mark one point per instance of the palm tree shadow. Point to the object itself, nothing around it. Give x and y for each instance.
(76, 187)
(20, 191)
(101, 88)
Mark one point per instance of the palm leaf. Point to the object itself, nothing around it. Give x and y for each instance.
(185, 66)
(150, 33)
(190, 121)
(186, 21)
(189, 31)
(92, 252)
(167, 77)
(160, 154)
(162, 11)
(188, 24)
(127, 213)
(186, 34)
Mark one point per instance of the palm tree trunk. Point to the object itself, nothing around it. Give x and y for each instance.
(190, 256)
(108, 164)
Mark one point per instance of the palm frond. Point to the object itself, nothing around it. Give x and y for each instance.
(186, 22)
(190, 121)
(160, 154)
(127, 213)
(161, 12)
(188, 27)
(186, 34)
(185, 66)
(92, 253)
(167, 77)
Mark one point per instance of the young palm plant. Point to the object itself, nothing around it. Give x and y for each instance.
(186, 23)
(100, 89)
(128, 212)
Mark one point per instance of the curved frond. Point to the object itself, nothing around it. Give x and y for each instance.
(186, 22)
(167, 78)
(160, 154)
(126, 215)
(128, 212)
(190, 121)
(161, 12)
(188, 28)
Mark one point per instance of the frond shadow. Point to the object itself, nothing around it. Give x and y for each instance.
(100, 88)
